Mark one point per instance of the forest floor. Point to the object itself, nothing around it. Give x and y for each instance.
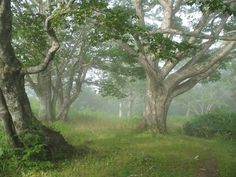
(208, 168)
(114, 148)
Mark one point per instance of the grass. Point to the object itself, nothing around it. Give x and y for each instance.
(117, 150)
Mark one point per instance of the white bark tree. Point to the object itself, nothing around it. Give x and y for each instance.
(168, 78)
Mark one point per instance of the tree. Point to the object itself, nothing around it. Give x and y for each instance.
(28, 22)
(59, 85)
(176, 57)
(19, 122)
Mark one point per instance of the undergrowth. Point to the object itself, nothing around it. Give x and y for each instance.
(218, 123)
(117, 150)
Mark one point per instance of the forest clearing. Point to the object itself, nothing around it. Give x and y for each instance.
(109, 147)
(117, 88)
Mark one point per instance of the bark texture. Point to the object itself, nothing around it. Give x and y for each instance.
(167, 79)
(20, 124)
(46, 106)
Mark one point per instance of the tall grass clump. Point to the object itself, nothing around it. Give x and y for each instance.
(218, 123)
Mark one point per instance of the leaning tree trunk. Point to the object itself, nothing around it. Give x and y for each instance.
(63, 115)
(29, 130)
(8, 123)
(65, 107)
(156, 108)
(15, 107)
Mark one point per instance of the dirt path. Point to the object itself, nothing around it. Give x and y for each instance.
(207, 168)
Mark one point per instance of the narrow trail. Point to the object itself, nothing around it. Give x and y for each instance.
(207, 168)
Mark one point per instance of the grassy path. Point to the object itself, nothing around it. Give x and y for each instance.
(207, 168)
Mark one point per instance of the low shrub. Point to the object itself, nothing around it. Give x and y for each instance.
(13, 160)
(212, 124)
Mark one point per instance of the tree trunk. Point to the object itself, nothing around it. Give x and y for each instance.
(20, 120)
(46, 110)
(64, 114)
(65, 107)
(64, 110)
(15, 110)
(156, 108)
(187, 114)
(120, 110)
(8, 123)
(130, 103)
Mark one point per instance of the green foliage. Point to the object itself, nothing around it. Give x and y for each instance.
(219, 123)
(114, 23)
(120, 68)
(78, 13)
(13, 161)
(123, 25)
(214, 77)
(35, 150)
(113, 87)
(119, 23)
(164, 48)
(215, 5)
(29, 36)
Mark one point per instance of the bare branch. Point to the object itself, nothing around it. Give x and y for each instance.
(200, 68)
(169, 65)
(177, 5)
(126, 47)
(70, 3)
(168, 13)
(199, 36)
(190, 83)
(207, 45)
(139, 11)
(205, 18)
(184, 87)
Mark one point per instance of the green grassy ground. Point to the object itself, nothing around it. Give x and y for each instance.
(118, 150)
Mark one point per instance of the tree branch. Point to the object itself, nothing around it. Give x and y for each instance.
(126, 47)
(184, 87)
(32, 84)
(200, 68)
(199, 36)
(207, 45)
(51, 52)
(167, 14)
(139, 11)
(190, 83)
(53, 48)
